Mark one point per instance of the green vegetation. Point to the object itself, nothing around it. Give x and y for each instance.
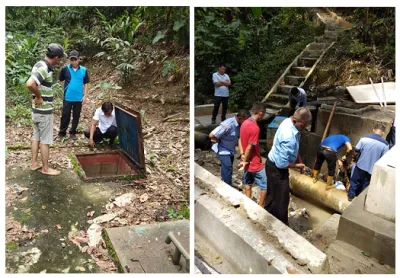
(182, 212)
(11, 245)
(117, 34)
(256, 44)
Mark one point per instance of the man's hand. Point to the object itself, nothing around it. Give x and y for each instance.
(91, 143)
(242, 165)
(39, 100)
(215, 140)
(344, 158)
(305, 169)
(300, 166)
(340, 163)
(83, 100)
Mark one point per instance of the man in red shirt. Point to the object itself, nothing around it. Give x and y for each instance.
(249, 146)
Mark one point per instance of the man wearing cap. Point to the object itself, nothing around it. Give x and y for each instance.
(75, 86)
(39, 84)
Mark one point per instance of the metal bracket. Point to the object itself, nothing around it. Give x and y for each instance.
(179, 250)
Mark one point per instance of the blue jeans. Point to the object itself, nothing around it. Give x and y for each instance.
(358, 182)
(259, 177)
(226, 167)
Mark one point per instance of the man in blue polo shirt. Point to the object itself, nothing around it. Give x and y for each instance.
(226, 137)
(367, 152)
(297, 98)
(327, 151)
(76, 79)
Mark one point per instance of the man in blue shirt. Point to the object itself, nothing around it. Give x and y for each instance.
(367, 152)
(284, 154)
(221, 83)
(327, 151)
(298, 97)
(226, 137)
(75, 86)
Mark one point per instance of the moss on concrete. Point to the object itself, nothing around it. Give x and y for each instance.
(75, 165)
(11, 245)
(112, 252)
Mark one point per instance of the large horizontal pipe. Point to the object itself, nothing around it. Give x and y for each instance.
(303, 185)
(201, 140)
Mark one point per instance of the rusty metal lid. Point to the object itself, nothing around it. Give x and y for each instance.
(130, 133)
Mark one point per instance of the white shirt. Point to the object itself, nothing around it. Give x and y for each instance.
(104, 121)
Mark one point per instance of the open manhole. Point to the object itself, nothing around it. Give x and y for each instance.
(126, 163)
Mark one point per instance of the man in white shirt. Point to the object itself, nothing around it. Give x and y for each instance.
(221, 83)
(105, 118)
(297, 98)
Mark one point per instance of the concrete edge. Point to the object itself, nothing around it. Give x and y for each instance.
(298, 247)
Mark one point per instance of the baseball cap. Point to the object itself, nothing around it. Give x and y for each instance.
(56, 49)
(74, 54)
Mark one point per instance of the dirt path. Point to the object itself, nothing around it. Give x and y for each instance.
(30, 229)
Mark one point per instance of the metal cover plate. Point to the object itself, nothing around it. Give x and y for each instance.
(276, 122)
(130, 134)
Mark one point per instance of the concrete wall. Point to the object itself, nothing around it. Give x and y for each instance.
(381, 197)
(353, 126)
(290, 244)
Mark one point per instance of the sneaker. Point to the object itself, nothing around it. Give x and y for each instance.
(72, 137)
(350, 199)
(213, 122)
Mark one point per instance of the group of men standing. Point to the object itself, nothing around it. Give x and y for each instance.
(242, 130)
(75, 86)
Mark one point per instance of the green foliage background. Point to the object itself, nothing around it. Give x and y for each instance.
(112, 33)
(257, 44)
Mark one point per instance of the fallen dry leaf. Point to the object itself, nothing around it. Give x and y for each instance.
(24, 199)
(80, 268)
(43, 207)
(84, 249)
(58, 226)
(90, 213)
(144, 197)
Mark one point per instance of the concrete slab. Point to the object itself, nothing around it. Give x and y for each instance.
(367, 231)
(381, 197)
(289, 241)
(237, 240)
(366, 94)
(142, 248)
(347, 259)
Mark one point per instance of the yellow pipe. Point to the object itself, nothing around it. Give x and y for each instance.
(303, 185)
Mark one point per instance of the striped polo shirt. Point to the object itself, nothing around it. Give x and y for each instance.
(42, 73)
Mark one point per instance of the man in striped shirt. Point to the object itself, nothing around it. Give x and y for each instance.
(39, 84)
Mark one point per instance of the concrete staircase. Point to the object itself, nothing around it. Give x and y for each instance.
(302, 67)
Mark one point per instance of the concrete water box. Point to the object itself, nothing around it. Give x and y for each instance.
(271, 130)
(126, 163)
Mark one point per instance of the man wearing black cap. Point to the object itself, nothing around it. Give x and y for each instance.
(39, 84)
(75, 86)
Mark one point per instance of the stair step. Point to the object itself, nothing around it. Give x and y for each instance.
(323, 39)
(294, 80)
(307, 62)
(271, 111)
(317, 46)
(312, 53)
(274, 105)
(279, 98)
(285, 89)
(300, 71)
(330, 34)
